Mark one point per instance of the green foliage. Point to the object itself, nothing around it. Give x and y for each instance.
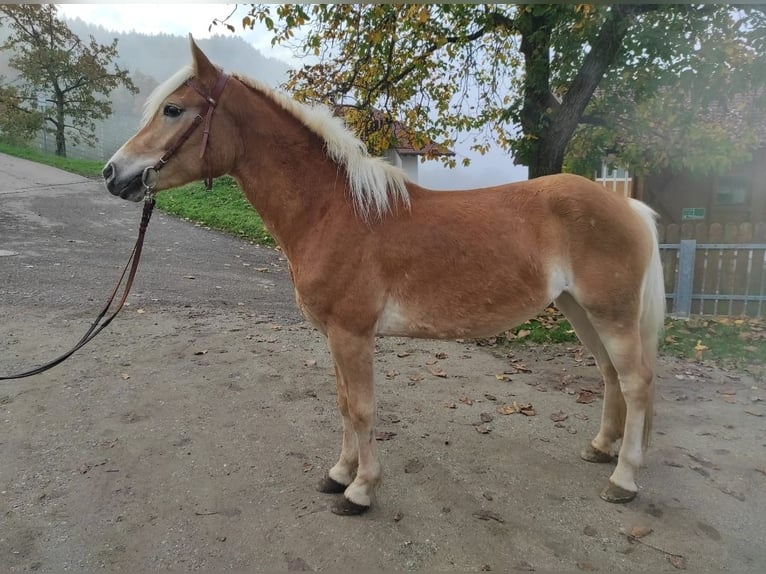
(17, 125)
(77, 77)
(697, 112)
(224, 208)
(524, 75)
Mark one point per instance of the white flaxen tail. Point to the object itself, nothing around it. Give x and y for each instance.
(652, 308)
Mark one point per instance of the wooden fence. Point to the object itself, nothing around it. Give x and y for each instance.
(714, 269)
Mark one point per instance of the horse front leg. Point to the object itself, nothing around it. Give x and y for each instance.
(344, 471)
(353, 359)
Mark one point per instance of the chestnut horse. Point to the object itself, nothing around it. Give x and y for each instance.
(371, 253)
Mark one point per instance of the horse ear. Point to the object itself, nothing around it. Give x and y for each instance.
(203, 68)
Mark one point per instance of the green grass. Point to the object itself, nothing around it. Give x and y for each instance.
(730, 343)
(224, 208)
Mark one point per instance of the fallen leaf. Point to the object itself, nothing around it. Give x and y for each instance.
(466, 400)
(402, 354)
(486, 417)
(392, 374)
(640, 531)
(436, 371)
(559, 416)
(677, 561)
(521, 367)
(482, 429)
(585, 397)
(124, 376)
(416, 377)
(507, 409)
(140, 311)
(523, 333)
(307, 466)
(450, 405)
(527, 410)
(502, 377)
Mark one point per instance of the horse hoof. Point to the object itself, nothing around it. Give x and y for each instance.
(617, 494)
(329, 486)
(592, 454)
(344, 507)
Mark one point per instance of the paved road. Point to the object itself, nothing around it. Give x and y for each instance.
(54, 224)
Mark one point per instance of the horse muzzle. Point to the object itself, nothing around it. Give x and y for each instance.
(131, 188)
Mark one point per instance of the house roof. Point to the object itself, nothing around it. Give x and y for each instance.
(403, 137)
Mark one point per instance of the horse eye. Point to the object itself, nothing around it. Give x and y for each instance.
(172, 111)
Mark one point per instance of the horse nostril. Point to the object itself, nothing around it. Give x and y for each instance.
(108, 172)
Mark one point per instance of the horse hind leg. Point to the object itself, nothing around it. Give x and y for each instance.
(635, 376)
(600, 449)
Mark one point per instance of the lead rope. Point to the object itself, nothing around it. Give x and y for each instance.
(98, 325)
(149, 181)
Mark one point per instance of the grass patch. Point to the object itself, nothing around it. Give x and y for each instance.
(730, 343)
(549, 327)
(225, 208)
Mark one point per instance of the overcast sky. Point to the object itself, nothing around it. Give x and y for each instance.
(159, 17)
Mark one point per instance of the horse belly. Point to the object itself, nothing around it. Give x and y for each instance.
(443, 320)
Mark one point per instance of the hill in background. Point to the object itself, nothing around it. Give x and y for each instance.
(159, 56)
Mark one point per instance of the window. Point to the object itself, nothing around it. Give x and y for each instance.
(732, 190)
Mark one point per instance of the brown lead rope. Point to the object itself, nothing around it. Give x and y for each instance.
(149, 180)
(98, 325)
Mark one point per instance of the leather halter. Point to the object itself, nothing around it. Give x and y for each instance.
(149, 177)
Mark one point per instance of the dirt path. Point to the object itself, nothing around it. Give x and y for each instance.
(190, 434)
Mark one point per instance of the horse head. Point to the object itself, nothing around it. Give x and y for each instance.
(184, 135)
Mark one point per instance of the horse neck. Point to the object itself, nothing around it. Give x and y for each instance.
(284, 171)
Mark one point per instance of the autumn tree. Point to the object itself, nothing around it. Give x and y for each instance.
(18, 124)
(523, 74)
(75, 76)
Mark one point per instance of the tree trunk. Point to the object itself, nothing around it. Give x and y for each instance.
(60, 138)
(548, 123)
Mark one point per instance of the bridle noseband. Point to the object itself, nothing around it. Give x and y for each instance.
(150, 176)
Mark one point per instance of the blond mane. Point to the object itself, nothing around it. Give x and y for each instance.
(375, 185)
